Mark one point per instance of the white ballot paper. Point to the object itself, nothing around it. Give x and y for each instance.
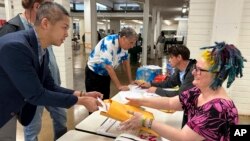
(131, 94)
(104, 106)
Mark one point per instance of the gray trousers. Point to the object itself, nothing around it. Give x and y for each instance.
(8, 131)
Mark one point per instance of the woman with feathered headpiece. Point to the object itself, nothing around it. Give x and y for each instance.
(209, 109)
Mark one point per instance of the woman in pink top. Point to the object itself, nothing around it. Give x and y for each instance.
(209, 109)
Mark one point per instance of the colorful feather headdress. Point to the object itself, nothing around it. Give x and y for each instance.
(225, 60)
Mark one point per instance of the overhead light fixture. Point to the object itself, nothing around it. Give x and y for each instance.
(100, 23)
(181, 19)
(167, 22)
(137, 21)
(105, 20)
(101, 6)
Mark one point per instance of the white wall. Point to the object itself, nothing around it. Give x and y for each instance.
(2, 13)
(240, 91)
(182, 29)
(102, 26)
(200, 24)
(226, 21)
(168, 27)
(223, 20)
(115, 25)
(17, 7)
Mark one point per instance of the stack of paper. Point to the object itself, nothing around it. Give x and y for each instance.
(133, 94)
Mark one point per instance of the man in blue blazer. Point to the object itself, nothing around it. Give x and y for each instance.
(24, 73)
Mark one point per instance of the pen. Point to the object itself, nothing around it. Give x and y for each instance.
(139, 86)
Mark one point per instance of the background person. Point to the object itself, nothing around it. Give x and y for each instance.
(210, 110)
(179, 58)
(25, 75)
(136, 50)
(105, 57)
(160, 45)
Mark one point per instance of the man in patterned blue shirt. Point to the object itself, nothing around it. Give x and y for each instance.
(105, 57)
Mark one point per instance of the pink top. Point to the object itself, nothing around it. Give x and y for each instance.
(211, 120)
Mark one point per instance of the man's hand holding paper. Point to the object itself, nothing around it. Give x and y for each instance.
(104, 107)
(94, 94)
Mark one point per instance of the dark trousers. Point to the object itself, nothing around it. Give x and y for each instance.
(134, 53)
(95, 82)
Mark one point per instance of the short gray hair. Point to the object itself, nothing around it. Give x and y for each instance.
(128, 32)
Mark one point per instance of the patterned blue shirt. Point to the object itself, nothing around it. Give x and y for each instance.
(106, 52)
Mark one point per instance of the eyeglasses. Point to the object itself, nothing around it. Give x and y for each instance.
(199, 70)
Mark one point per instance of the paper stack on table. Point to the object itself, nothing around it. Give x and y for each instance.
(134, 94)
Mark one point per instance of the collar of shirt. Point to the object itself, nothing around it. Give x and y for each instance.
(26, 24)
(41, 51)
(181, 75)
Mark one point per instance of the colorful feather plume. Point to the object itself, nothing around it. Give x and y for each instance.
(226, 61)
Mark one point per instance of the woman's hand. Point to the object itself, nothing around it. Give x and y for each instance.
(138, 82)
(151, 90)
(142, 84)
(134, 122)
(134, 102)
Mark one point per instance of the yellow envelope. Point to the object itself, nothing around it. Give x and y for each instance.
(119, 111)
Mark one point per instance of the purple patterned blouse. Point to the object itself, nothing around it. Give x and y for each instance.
(212, 119)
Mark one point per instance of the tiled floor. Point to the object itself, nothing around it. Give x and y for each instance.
(77, 113)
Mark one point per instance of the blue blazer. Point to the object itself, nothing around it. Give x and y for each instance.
(25, 114)
(23, 80)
